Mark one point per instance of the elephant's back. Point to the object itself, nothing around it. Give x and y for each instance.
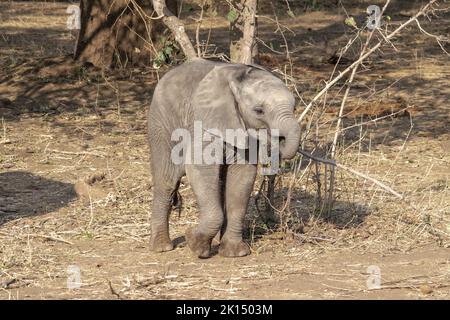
(171, 98)
(182, 80)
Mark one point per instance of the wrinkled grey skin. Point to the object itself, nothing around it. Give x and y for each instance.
(222, 96)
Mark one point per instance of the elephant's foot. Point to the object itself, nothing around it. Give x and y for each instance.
(200, 244)
(161, 243)
(233, 248)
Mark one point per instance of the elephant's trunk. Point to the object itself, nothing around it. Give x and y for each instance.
(290, 130)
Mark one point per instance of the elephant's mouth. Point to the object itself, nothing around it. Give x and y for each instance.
(288, 139)
(281, 144)
(281, 140)
(287, 143)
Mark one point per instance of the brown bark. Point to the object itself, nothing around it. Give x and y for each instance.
(117, 33)
(243, 46)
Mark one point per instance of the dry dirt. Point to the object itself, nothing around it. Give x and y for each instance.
(75, 189)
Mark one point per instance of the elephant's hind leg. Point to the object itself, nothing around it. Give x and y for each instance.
(239, 185)
(165, 185)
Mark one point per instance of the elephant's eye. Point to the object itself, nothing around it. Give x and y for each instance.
(259, 111)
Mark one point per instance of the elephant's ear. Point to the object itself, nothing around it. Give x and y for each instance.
(215, 102)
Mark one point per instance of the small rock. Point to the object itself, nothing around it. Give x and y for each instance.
(7, 283)
(88, 189)
(5, 141)
(426, 289)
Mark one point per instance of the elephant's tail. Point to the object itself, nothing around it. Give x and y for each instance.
(177, 200)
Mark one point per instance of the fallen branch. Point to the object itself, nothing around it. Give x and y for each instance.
(50, 238)
(411, 287)
(77, 153)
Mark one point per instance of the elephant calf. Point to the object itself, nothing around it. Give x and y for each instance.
(222, 96)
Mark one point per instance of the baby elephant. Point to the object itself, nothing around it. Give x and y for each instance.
(219, 96)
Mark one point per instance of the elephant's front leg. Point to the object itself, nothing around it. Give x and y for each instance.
(240, 179)
(206, 184)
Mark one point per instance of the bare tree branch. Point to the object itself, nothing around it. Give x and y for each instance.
(357, 173)
(414, 18)
(330, 199)
(176, 26)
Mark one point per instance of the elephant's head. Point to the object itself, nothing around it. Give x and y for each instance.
(242, 97)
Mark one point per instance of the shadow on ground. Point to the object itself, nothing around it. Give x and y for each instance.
(23, 194)
(304, 212)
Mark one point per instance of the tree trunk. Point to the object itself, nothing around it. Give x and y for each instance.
(243, 28)
(118, 33)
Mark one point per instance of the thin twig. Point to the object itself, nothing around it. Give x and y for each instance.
(357, 173)
(331, 83)
(50, 238)
(77, 153)
(199, 25)
(329, 201)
